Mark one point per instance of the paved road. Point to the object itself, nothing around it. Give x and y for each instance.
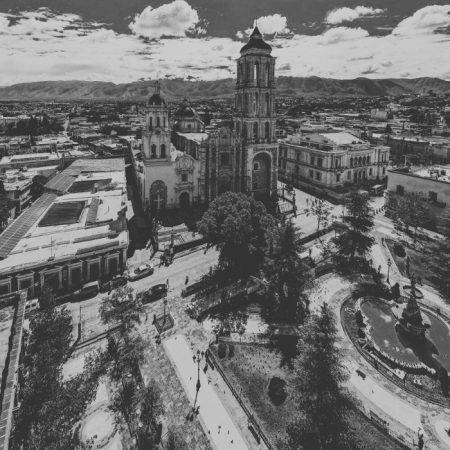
(193, 265)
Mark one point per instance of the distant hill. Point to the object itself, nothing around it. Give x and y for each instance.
(287, 86)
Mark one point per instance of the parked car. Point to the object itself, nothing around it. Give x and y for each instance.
(87, 290)
(155, 293)
(142, 271)
(31, 306)
(114, 283)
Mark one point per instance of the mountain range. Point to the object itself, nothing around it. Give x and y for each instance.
(196, 89)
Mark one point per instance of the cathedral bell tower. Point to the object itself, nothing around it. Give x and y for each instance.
(255, 91)
(156, 136)
(255, 117)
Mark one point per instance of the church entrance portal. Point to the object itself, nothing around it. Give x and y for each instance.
(184, 200)
(224, 187)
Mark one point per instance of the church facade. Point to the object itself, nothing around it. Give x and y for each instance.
(182, 165)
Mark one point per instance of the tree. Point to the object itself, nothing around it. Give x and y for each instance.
(358, 221)
(323, 403)
(37, 188)
(5, 207)
(388, 129)
(122, 307)
(236, 225)
(439, 258)
(414, 210)
(50, 406)
(175, 441)
(320, 208)
(288, 275)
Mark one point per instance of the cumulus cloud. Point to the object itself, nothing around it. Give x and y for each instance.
(426, 20)
(271, 25)
(340, 15)
(92, 52)
(341, 34)
(172, 19)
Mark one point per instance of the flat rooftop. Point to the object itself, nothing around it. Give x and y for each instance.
(440, 173)
(29, 157)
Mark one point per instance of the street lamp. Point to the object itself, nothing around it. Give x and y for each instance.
(197, 360)
(389, 263)
(164, 315)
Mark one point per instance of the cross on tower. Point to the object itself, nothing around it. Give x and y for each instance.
(256, 21)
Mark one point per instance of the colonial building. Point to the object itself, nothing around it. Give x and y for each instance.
(185, 165)
(330, 160)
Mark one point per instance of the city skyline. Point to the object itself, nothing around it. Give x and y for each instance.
(181, 39)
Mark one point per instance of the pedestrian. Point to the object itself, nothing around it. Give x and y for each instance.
(187, 281)
(198, 409)
(193, 358)
(167, 283)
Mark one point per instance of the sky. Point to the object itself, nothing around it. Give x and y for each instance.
(122, 41)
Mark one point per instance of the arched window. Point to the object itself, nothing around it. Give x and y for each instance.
(267, 104)
(247, 103)
(364, 161)
(368, 160)
(255, 130)
(153, 148)
(257, 76)
(245, 129)
(351, 162)
(238, 127)
(158, 122)
(359, 161)
(164, 122)
(257, 103)
(267, 130)
(163, 150)
(151, 122)
(249, 71)
(267, 73)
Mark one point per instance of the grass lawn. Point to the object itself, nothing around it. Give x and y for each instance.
(417, 263)
(250, 370)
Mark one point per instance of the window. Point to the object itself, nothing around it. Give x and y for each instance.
(338, 177)
(312, 160)
(284, 165)
(151, 122)
(311, 174)
(184, 177)
(432, 196)
(285, 153)
(297, 169)
(319, 162)
(298, 156)
(255, 186)
(153, 148)
(189, 126)
(256, 166)
(158, 122)
(384, 170)
(163, 150)
(267, 130)
(400, 189)
(318, 176)
(255, 130)
(370, 172)
(225, 159)
(351, 162)
(349, 175)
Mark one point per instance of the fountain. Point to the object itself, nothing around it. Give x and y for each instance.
(412, 323)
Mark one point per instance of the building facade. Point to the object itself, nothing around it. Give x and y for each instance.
(331, 160)
(185, 165)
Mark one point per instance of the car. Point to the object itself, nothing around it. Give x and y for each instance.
(155, 293)
(114, 283)
(31, 306)
(87, 290)
(144, 270)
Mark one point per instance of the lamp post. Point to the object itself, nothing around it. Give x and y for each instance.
(197, 360)
(389, 263)
(164, 315)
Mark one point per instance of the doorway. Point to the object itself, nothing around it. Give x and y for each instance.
(184, 200)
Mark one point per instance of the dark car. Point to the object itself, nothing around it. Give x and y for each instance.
(155, 293)
(114, 283)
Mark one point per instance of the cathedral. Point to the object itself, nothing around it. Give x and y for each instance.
(181, 165)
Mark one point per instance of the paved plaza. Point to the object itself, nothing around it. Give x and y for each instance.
(216, 418)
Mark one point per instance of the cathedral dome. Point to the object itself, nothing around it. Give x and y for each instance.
(185, 111)
(156, 100)
(256, 42)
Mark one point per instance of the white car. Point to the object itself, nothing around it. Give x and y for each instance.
(144, 270)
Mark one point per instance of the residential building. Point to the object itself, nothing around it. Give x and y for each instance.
(433, 181)
(29, 160)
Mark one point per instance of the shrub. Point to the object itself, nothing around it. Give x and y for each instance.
(399, 250)
(277, 391)
(231, 350)
(222, 350)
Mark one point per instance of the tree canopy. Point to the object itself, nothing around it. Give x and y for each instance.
(322, 402)
(354, 238)
(236, 225)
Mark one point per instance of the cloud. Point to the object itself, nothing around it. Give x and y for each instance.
(425, 20)
(340, 34)
(349, 15)
(4, 23)
(275, 24)
(172, 19)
